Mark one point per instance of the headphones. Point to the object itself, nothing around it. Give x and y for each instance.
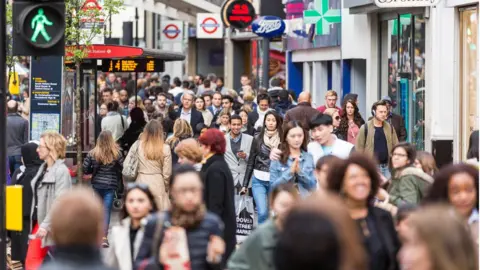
(374, 108)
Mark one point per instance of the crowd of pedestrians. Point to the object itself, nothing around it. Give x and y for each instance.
(331, 189)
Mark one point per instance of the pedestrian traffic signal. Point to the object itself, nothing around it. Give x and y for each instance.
(38, 27)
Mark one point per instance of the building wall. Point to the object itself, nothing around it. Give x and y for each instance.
(210, 56)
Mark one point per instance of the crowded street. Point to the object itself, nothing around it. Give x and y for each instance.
(239, 134)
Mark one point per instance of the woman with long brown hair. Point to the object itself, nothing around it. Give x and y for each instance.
(350, 121)
(155, 162)
(105, 163)
(295, 164)
(436, 239)
(181, 131)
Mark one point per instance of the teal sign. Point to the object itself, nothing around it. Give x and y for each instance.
(322, 17)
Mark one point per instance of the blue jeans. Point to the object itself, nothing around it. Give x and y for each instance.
(383, 168)
(107, 196)
(15, 163)
(260, 190)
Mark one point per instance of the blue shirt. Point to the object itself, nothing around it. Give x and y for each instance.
(280, 173)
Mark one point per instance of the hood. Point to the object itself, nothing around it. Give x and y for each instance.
(30, 155)
(417, 172)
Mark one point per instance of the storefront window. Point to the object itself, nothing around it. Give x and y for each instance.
(468, 73)
(403, 55)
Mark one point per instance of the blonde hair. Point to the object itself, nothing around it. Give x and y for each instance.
(181, 128)
(189, 149)
(139, 102)
(55, 143)
(152, 141)
(77, 218)
(331, 93)
(445, 233)
(222, 113)
(106, 151)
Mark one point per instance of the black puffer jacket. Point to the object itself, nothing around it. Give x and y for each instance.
(259, 158)
(104, 176)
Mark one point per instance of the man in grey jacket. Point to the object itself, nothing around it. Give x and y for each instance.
(237, 150)
(17, 135)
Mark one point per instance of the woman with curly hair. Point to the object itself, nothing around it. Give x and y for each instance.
(350, 121)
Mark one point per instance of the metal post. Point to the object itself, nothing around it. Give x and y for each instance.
(136, 28)
(266, 62)
(136, 88)
(3, 139)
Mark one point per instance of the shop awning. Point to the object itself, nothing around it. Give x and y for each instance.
(120, 52)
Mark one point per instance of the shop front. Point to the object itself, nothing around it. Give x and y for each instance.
(402, 69)
(468, 72)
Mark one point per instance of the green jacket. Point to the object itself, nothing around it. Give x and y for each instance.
(366, 145)
(409, 186)
(256, 252)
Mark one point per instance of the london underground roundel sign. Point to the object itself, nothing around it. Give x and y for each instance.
(268, 26)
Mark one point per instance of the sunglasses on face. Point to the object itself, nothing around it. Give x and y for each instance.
(140, 186)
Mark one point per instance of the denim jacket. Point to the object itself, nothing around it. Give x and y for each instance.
(280, 173)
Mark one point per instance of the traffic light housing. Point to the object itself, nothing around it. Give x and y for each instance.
(38, 28)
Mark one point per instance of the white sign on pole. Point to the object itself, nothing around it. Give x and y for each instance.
(209, 25)
(172, 31)
(406, 3)
(90, 20)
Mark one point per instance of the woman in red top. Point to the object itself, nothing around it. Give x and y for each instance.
(350, 122)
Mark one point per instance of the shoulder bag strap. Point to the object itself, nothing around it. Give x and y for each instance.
(121, 119)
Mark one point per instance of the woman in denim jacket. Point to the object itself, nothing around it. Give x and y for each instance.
(295, 164)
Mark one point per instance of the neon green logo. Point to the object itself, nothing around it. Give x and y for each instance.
(38, 24)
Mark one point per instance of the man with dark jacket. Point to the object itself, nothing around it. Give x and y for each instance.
(76, 227)
(304, 112)
(284, 103)
(187, 216)
(257, 117)
(396, 120)
(189, 114)
(17, 135)
(274, 91)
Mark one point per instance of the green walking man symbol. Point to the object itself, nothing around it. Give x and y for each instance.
(38, 23)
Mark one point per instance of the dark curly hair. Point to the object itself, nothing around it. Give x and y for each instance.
(357, 118)
(439, 189)
(336, 177)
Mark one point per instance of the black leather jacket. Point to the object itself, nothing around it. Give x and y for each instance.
(259, 159)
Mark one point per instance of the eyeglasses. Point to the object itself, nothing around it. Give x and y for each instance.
(140, 186)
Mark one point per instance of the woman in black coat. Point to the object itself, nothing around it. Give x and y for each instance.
(218, 185)
(134, 130)
(23, 176)
(375, 225)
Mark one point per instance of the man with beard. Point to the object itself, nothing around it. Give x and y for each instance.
(123, 102)
(161, 104)
(187, 234)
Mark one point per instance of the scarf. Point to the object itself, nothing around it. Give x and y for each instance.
(271, 138)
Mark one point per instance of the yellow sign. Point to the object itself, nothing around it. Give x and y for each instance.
(14, 83)
(133, 65)
(14, 208)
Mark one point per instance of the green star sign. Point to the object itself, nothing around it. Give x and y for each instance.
(322, 17)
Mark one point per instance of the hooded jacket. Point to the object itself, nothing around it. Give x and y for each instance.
(409, 185)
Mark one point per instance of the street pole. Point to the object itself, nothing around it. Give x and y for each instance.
(266, 63)
(3, 128)
(136, 28)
